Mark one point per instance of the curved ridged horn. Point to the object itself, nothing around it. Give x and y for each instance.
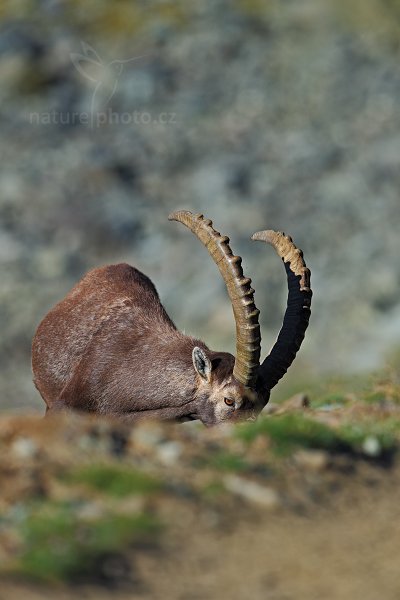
(297, 315)
(248, 337)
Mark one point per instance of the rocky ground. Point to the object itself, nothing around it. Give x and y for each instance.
(302, 504)
(286, 116)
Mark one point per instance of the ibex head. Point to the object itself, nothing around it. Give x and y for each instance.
(236, 388)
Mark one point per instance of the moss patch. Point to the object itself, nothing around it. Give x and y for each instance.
(382, 393)
(58, 545)
(227, 461)
(288, 432)
(114, 480)
(375, 398)
(385, 432)
(330, 400)
(213, 490)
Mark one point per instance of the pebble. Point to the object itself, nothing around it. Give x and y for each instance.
(90, 511)
(371, 446)
(169, 452)
(24, 447)
(147, 436)
(312, 460)
(252, 492)
(296, 402)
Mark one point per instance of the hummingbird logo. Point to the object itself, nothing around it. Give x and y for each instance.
(104, 75)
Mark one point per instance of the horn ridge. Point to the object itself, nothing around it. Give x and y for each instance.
(248, 336)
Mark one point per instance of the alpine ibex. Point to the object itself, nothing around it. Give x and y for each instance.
(109, 347)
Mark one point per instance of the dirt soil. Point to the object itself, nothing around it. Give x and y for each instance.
(349, 551)
(329, 528)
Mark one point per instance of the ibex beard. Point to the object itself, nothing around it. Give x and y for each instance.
(109, 346)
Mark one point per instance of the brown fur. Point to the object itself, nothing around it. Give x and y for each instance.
(109, 347)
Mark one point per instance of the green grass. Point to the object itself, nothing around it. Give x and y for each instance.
(213, 490)
(114, 480)
(386, 432)
(383, 392)
(57, 545)
(322, 387)
(331, 400)
(376, 397)
(220, 460)
(292, 431)
(227, 461)
(60, 543)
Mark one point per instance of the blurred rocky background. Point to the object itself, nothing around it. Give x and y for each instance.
(259, 114)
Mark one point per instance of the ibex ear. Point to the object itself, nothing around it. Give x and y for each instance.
(201, 363)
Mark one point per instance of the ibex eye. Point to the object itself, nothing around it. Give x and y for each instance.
(229, 401)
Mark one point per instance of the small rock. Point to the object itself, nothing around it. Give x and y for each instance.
(169, 452)
(24, 447)
(131, 505)
(90, 511)
(89, 442)
(371, 446)
(312, 460)
(251, 491)
(147, 436)
(296, 402)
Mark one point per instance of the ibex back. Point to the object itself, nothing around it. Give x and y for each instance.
(109, 347)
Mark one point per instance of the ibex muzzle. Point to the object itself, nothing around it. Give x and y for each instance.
(109, 347)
